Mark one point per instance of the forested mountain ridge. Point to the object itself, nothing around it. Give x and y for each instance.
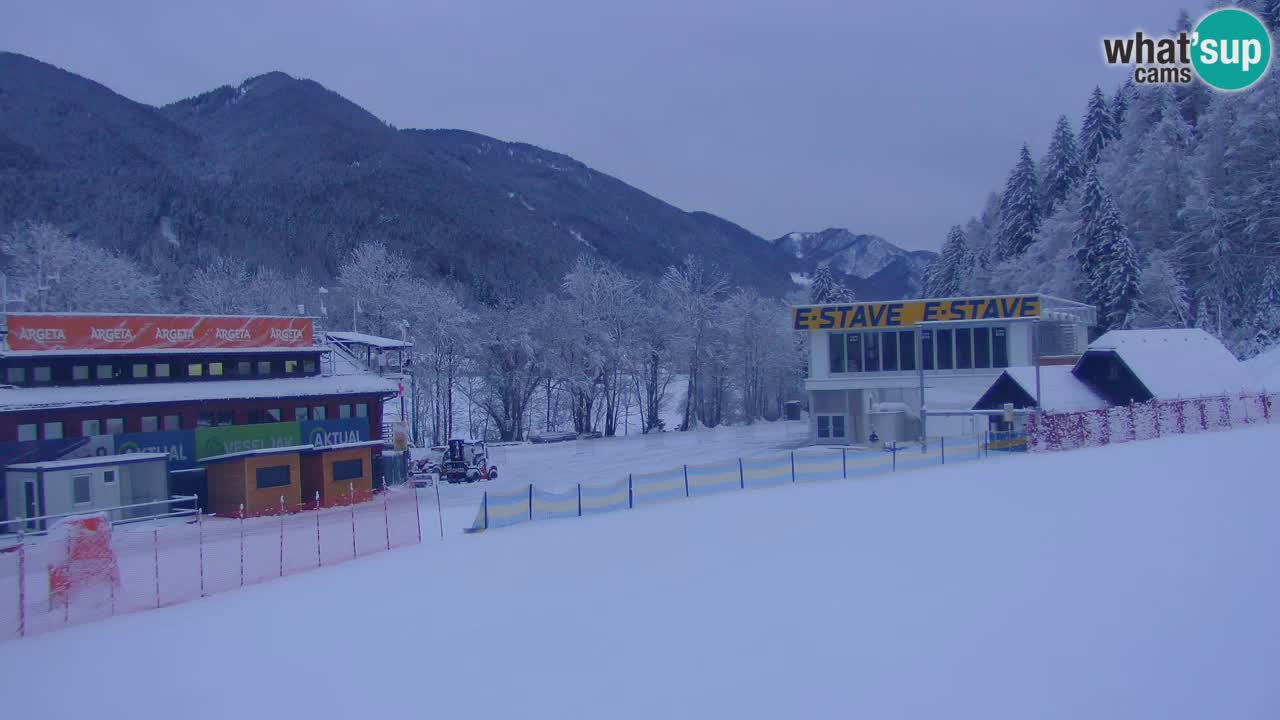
(285, 173)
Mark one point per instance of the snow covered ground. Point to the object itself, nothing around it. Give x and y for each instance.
(1130, 581)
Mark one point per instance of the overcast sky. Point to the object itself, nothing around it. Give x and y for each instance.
(780, 115)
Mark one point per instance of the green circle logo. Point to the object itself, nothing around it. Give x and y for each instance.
(1232, 49)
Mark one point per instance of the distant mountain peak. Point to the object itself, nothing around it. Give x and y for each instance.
(875, 268)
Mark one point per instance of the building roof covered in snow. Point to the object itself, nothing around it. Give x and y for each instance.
(13, 399)
(1138, 365)
(1265, 366)
(1060, 390)
(370, 340)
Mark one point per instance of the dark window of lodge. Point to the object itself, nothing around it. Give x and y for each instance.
(348, 470)
(273, 476)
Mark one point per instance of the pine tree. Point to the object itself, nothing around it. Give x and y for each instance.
(1019, 208)
(1098, 128)
(1120, 105)
(1062, 170)
(948, 273)
(1091, 234)
(1119, 272)
(826, 289)
(1265, 324)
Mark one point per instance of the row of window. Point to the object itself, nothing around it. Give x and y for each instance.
(894, 350)
(156, 371)
(830, 426)
(164, 423)
(282, 475)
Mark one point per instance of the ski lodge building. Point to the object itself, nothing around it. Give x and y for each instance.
(202, 390)
(913, 368)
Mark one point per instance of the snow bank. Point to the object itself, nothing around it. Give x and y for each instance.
(1132, 581)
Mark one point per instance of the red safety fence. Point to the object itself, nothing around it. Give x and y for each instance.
(51, 581)
(1146, 420)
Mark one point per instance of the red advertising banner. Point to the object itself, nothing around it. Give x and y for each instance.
(154, 332)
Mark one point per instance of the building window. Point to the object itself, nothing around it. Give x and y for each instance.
(946, 361)
(964, 348)
(53, 430)
(835, 350)
(348, 470)
(80, 485)
(90, 427)
(982, 347)
(172, 422)
(104, 372)
(115, 426)
(215, 369)
(41, 374)
(16, 375)
(926, 349)
(79, 372)
(831, 426)
(318, 412)
(362, 410)
(290, 367)
(162, 370)
(889, 345)
(999, 348)
(853, 350)
(300, 413)
(264, 367)
(139, 371)
(870, 352)
(108, 477)
(309, 367)
(344, 411)
(195, 370)
(273, 476)
(906, 350)
(275, 415)
(214, 418)
(150, 423)
(244, 367)
(824, 426)
(28, 431)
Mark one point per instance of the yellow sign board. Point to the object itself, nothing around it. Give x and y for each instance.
(905, 313)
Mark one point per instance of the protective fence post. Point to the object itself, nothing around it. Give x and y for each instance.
(686, 481)
(22, 584)
(319, 557)
(200, 530)
(155, 546)
(241, 544)
(530, 501)
(439, 508)
(742, 476)
(579, 499)
(281, 536)
(793, 466)
(942, 447)
(844, 463)
(893, 450)
(351, 490)
(631, 501)
(986, 443)
(485, 504)
(386, 518)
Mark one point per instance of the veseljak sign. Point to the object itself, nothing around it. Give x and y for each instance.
(28, 332)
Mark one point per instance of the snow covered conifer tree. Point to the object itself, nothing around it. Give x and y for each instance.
(1098, 128)
(826, 289)
(1118, 271)
(1091, 238)
(1019, 208)
(1062, 169)
(948, 273)
(1120, 105)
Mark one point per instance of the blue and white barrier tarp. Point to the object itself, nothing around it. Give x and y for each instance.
(656, 487)
(872, 462)
(604, 498)
(766, 471)
(713, 478)
(549, 504)
(828, 465)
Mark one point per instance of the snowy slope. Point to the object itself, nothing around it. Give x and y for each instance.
(1266, 367)
(1131, 581)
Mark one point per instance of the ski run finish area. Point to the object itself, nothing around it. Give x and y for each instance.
(1132, 581)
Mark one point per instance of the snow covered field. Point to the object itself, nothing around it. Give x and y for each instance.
(1129, 581)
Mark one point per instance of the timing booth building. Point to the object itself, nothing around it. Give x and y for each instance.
(190, 387)
(901, 368)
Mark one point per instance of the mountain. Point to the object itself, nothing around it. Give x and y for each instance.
(287, 173)
(874, 268)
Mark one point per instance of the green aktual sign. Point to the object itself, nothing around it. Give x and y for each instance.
(213, 441)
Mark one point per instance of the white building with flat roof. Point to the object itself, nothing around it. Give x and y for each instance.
(913, 368)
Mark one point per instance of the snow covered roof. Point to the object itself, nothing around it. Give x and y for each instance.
(371, 340)
(84, 462)
(1266, 367)
(257, 452)
(1178, 363)
(1060, 390)
(955, 392)
(17, 399)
